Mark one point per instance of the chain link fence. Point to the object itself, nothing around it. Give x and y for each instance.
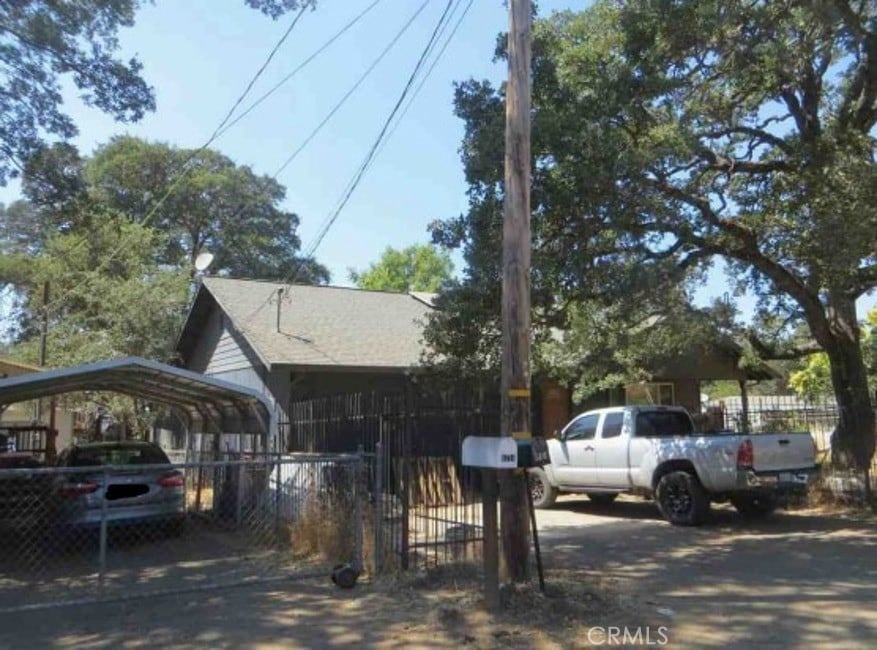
(87, 531)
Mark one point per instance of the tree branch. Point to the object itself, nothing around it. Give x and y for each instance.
(866, 279)
(859, 105)
(770, 352)
(760, 134)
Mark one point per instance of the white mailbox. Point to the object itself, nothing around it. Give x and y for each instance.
(492, 452)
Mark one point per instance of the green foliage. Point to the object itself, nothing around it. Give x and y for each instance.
(132, 307)
(603, 347)
(664, 136)
(213, 204)
(813, 379)
(45, 42)
(415, 268)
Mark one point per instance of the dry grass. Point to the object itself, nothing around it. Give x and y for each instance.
(325, 528)
(449, 600)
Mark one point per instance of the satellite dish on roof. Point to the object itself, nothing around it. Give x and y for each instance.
(203, 261)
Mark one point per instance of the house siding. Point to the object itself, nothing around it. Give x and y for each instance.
(222, 353)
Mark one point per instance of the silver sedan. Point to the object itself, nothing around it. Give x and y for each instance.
(139, 486)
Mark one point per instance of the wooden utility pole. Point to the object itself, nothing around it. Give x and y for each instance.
(516, 289)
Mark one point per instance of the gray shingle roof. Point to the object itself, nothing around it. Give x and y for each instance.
(325, 326)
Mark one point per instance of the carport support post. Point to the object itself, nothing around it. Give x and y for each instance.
(102, 552)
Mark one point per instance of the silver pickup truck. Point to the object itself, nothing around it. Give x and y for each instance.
(654, 451)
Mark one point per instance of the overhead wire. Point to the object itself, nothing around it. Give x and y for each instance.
(352, 89)
(301, 66)
(428, 73)
(366, 73)
(367, 161)
(184, 167)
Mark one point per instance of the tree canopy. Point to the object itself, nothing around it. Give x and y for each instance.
(44, 43)
(119, 259)
(195, 200)
(668, 134)
(415, 268)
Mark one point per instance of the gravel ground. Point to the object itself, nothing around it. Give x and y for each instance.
(801, 579)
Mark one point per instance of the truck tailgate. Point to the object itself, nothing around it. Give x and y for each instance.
(776, 452)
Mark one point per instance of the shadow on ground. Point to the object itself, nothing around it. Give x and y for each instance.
(798, 579)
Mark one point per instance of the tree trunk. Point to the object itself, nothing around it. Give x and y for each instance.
(853, 442)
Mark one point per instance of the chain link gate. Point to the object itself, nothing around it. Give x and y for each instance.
(110, 532)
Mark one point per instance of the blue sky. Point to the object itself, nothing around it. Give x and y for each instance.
(200, 54)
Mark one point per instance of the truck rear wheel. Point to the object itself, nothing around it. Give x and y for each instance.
(682, 499)
(755, 506)
(544, 494)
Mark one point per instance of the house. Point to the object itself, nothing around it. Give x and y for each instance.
(299, 342)
(25, 419)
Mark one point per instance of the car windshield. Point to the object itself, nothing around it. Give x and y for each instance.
(663, 423)
(117, 455)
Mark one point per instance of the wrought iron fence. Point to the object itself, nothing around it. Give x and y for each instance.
(770, 413)
(427, 506)
(110, 532)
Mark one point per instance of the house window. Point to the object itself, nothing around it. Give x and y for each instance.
(650, 393)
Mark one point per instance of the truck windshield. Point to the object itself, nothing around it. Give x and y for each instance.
(663, 423)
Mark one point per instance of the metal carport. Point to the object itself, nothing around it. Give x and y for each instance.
(206, 403)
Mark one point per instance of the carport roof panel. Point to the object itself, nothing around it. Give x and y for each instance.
(154, 381)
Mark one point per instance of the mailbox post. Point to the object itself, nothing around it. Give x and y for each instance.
(492, 453)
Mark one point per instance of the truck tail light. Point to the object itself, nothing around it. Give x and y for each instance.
(745, 455)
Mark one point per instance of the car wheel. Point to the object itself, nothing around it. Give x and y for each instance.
(682, 499)
(755, 506)
(544, 494)
(602, 499)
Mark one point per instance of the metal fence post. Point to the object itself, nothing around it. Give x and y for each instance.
(277, 488)
(357, 512)
(102, 552)
(404, 453)
(378, 518)
(239, 502)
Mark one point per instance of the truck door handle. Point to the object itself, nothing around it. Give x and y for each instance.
(784, 441)
(589, 448)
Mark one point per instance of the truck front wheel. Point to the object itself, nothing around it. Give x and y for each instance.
(682, 499)
(755, 506)
(544, 494)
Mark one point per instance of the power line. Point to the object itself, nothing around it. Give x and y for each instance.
(367, 161)
(181, 175)
(352, 89)
(357, 177)
(301, 66)
(428, 72)
(255, 77)
(404, 28)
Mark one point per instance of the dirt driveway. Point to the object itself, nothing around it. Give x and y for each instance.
(800, 579)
